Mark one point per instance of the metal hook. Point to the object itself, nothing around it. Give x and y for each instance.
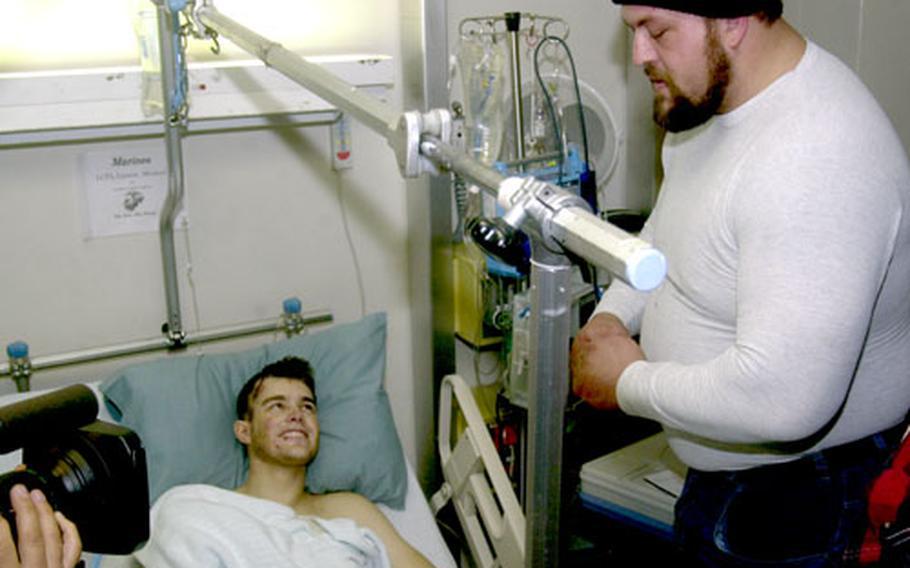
(558, 22)
(184, 35)
(531, 38)
(491, 34)
(213, 35)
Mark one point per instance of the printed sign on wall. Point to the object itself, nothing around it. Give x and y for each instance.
(125, 190)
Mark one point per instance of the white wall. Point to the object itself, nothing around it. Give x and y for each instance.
(870, 36)
(265, 213)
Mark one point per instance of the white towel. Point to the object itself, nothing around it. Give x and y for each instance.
(200, 525)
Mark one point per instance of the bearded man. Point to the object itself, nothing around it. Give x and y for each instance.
(776, 353)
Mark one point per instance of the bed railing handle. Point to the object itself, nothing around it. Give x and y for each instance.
(477, 483)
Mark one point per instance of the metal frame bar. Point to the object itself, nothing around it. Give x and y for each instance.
(161, 343)
(513, 25)
(196, 127)
(548, 391)
(487, 24)
(439, 203)
(168, 26)
(374, 114)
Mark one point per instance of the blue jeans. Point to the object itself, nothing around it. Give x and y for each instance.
(807, 513)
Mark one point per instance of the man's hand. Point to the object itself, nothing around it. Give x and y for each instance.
(600, 353)
(46, 539)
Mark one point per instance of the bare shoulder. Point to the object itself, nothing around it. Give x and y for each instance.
(366, 514)
(345, 504)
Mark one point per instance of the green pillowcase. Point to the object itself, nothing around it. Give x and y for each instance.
(183, 410)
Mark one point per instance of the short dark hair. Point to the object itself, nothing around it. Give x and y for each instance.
(293, 368)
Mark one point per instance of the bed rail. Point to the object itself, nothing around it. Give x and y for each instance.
(476, 482)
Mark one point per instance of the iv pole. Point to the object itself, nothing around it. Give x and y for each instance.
(555, 220)
(174, 123)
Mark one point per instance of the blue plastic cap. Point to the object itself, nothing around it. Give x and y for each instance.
(17, 350)
(646, 269)
(177, 5)
(291, 306)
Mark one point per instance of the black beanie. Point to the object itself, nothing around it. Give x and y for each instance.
(711, 8)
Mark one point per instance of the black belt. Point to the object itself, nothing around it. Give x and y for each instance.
(880, 444)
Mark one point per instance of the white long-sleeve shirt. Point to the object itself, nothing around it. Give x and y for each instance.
(786, 309)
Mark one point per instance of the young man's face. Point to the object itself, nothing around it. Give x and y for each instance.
(282, 426)
(682, 57)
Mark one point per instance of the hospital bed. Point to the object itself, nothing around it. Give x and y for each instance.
(182, 408)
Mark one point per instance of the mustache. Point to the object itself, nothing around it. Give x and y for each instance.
(653, 74)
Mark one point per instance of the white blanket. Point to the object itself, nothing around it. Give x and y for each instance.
(201, 525)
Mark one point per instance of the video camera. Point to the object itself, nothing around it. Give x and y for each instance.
(94, 472)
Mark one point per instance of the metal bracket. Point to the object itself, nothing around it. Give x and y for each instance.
(531, 205)
(411, 128)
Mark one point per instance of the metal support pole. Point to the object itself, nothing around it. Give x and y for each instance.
(548, 389)
(168, 24)
(467, 167)
(513, 24)
(439, 209)
(142, 346)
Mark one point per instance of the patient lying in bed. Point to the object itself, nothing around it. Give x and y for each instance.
(271, 520)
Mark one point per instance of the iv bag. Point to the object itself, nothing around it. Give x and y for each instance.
(544, 100)
(540, 134)
(482, 62)
(145, 24)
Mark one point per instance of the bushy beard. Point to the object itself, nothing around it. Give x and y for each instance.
(687, 112)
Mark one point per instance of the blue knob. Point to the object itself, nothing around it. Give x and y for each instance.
(291, 306)
(17, 350)
(176, 5)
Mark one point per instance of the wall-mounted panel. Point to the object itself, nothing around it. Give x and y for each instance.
(37, 106)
